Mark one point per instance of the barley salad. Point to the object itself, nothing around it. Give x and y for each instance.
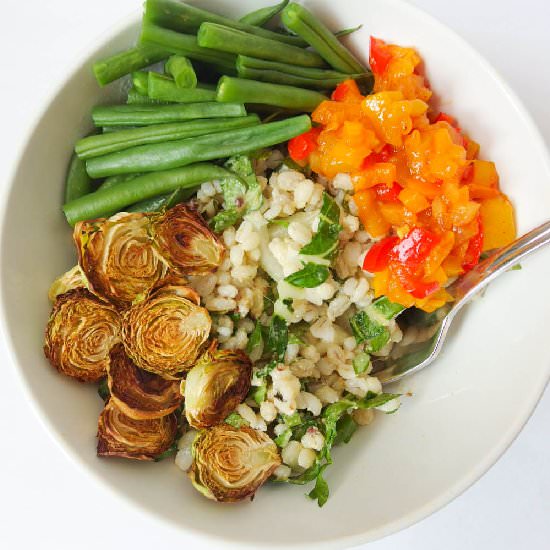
(245, 250)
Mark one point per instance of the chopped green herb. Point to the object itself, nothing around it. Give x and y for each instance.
(311, 276)
(283, 439)
(255, 339)
(171, 451)
(235, 420)
(224, 219)
(361, 363)
(277, 339)
(259, 393)
(325, 241)
(103, 389)
(292, 420)
(516, 267)
(366, 330)
(345, 428)
(266, 370)
(387, 309)
(320, 492)
(288, 303)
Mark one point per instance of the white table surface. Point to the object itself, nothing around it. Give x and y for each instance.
(48, 503)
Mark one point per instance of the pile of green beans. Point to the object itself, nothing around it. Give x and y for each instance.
(173, 154)
(186, 45)
(226, 39)
(260, 17)
(304, 23)
(102, 144)
(162, 88)
(143, 115)
(112, 68)
(106, 201)
(277, 95)
(182, 17)
(149, 148)
(182, 71)
(293, 75)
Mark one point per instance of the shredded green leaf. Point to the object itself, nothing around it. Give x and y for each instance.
(311, 276)
(103, 389)
(325, 241)
(277, 339)
(236, 420)
(283, 439)
(366, 330)
(387, 309)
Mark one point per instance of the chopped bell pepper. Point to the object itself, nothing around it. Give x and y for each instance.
(379, 56)
(378, 256)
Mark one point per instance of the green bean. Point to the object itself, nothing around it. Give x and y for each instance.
(186, 44)
(226, 39)
(140, 81)
(182, 17)
(165, 89)
(182, 71)
(316, 34)
(101, 144)
(262, 16)
(77, 182)
(145, 115)
(135, 98)
(172, 154)
(277, 95)
(112, 68)
(107, 201)
(345, 32)
(163, 202)
(115, 180)
(292, 75)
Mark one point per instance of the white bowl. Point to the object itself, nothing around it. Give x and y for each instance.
(464, 411)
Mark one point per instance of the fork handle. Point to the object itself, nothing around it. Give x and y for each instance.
(499, 262)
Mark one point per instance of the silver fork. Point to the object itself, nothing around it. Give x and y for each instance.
(409, 358)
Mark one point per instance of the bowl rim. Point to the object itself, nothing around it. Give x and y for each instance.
(57, 83)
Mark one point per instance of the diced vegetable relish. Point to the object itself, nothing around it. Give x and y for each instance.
(419, 185)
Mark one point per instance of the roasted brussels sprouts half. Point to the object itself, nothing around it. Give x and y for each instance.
(215, 386)
(230, 464)
(137, 393)
(165, 332)
(118, 257)
(120, 435)
(80, 333)
(186, 241)
(74, 278)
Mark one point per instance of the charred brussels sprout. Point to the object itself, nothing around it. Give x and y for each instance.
(186, 241)
(81, 331)
(166, 331)
(230, 464)
(215, 386)
(118, 257)
(74, 278)
(137, 393)
(120, 435)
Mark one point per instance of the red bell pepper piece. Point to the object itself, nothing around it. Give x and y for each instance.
(383, 156)
(475, 246)
(300, 147)
(378, 256)
(387, 194)
(414, 247)
(340, 92)
(413, 285)
(379, 56)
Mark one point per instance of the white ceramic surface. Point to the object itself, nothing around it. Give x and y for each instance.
(465, 410)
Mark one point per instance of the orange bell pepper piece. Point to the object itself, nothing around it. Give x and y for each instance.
(497, 218)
